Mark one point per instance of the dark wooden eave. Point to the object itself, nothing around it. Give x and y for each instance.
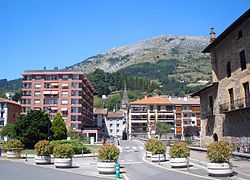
(203, 89)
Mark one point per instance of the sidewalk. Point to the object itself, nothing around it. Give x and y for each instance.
(240, 165)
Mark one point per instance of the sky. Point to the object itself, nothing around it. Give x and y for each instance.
(57, 33)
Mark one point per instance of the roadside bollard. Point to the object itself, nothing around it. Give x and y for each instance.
(26, 158)
(117, 171)
(188, 164)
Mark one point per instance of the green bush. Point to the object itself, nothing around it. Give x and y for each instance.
(43, 148)
(78, 147)
(219, 151)
(13, 145)
(63, 151)
(179, 150)
(108, 152)
(155, 146)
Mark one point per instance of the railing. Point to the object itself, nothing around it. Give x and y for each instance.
(233, 105)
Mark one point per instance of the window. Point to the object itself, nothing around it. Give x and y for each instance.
(211, 103)
(38, 77)
(228, 69)
(247, 94)
(75, 77)
(65, 86)
(37, 93)
(65, 94)
(231, 96)
(65, 77)
(37, 101)
(243, 60)
(239, 34)
(37, 86)
(74, 101)
(64, 101)
(111, 125)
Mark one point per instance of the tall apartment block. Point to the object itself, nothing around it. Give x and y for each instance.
(59, 91)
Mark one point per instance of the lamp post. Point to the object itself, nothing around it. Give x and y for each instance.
(49, 111)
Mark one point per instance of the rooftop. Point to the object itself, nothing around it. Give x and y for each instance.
(185, 100)
(115, 114)
(225, 33)
(152, 100)
(100, 111)
(9, 101)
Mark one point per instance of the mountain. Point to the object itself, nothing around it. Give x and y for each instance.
(186, 49)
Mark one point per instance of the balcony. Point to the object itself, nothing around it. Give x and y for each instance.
(235, 105)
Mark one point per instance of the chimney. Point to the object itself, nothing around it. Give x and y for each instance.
(212, 34)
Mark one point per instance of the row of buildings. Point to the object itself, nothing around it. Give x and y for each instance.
(223, 110)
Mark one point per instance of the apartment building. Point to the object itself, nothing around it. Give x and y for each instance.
(59, 91)
(115, 123)
(225, 104)
(144, 113)
(187, 113)
(9, 111)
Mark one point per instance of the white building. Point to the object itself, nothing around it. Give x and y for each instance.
(115, 123)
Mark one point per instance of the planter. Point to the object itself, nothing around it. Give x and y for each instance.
(106, 167)
(13, 154)
(178, 162)
(157, 157)
(219, 169)
(42, 159)
(148, 154)
(63, 162)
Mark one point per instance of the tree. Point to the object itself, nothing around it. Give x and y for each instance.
(33, 127)
(59, 129)
(9, 130)
(162, 128)
(191, 131)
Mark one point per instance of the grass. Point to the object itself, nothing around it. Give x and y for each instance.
(93, 148)
(28, 151)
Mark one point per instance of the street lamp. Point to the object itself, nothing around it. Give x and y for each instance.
(49, 111)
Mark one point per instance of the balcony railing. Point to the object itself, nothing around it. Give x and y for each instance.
(234, 105)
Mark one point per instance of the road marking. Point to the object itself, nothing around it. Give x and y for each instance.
(186, 173)
(134, 148)
(141, 148)
(125, 176)
(127, 147)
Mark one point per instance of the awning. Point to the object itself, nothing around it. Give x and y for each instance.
(64, 109)
(54, 92)
(54, 108)
(65, 85)
(46, 92)
(54, 84)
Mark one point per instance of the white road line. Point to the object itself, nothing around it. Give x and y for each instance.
(134, 148)
(141, 148)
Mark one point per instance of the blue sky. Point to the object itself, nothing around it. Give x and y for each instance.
(59, 33)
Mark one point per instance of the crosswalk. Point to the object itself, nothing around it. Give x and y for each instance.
(133, 148)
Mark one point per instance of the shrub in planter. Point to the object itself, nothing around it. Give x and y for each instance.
(148, 146)
(63, 154)
(219, 153)
(78, 147)
(179, 151)
(43, 150)
(108, 155)
(158, 150)
(13, 148)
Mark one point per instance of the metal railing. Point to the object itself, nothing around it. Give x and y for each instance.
(236, 104)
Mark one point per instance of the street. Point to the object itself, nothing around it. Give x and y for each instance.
(11, 170)
(137, 169)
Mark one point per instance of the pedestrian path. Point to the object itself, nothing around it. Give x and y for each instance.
(133, 148)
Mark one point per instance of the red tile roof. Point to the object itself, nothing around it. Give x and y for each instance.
(100, 111)
(151, 101)
(115, 114)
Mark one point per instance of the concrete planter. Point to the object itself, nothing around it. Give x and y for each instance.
(63, 162)
(106, 167)
(157, 157)
(148, 154)
(178, 162)
(13, 154)
(219, 169)
(42, 159)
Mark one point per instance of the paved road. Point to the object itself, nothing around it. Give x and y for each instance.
(137, 169)
(20, 171)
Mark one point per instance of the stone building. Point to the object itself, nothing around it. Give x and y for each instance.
(225, 104)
